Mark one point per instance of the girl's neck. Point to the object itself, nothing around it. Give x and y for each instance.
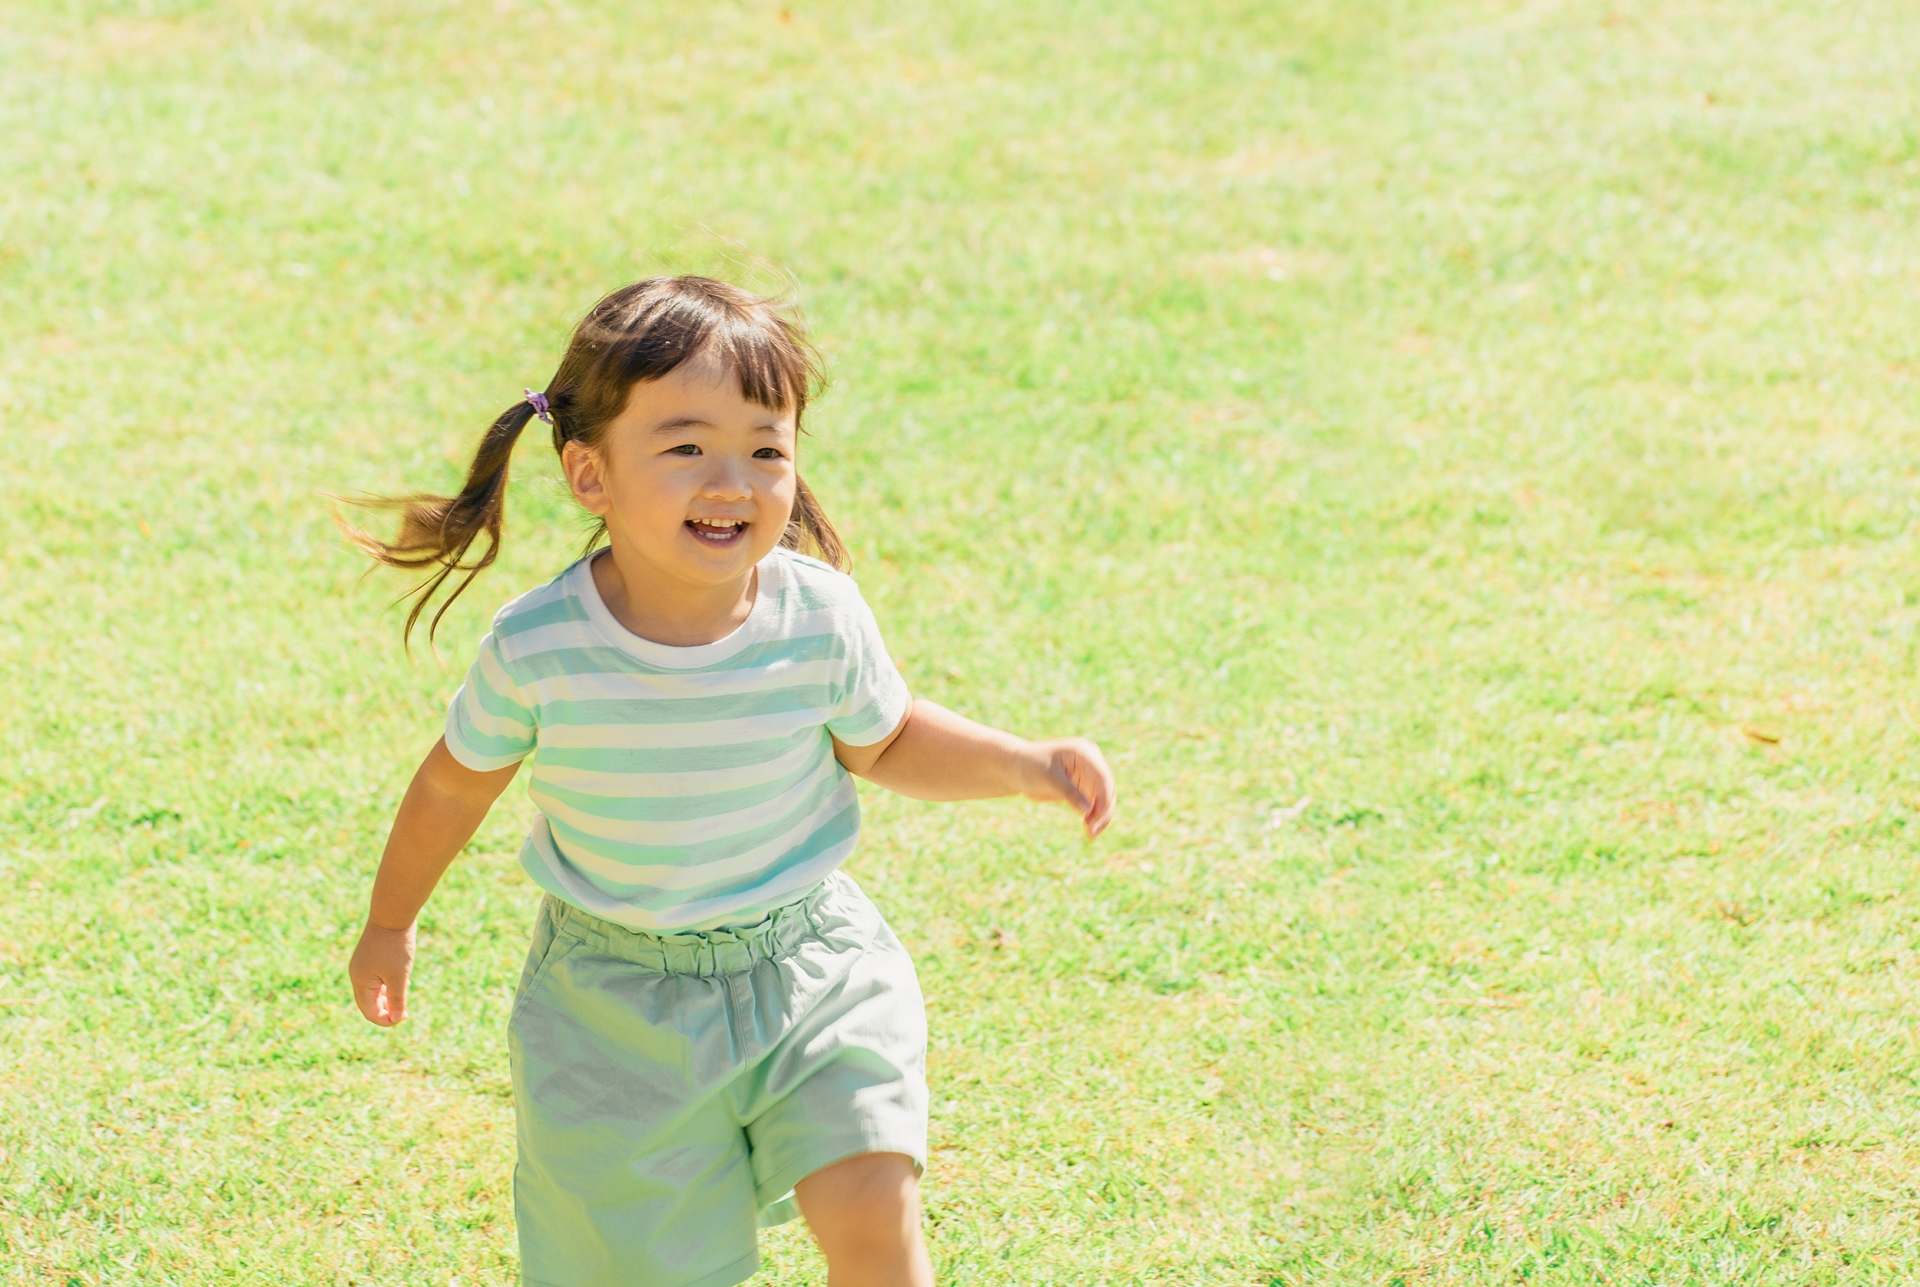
(665, 610)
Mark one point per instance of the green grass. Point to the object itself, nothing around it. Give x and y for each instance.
(1458, 456)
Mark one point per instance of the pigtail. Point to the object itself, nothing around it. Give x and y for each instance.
(440, 531)
(811, 526)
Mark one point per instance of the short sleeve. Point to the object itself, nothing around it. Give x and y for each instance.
(871, 698)
(490, 724)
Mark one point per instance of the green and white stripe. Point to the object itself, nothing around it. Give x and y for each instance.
(682, 788)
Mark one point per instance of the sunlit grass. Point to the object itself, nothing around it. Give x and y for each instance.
(1458, 457)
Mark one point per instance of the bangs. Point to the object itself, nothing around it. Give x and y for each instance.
(773, 368)
(649, 329)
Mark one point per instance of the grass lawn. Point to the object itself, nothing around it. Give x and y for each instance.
(1459, 456)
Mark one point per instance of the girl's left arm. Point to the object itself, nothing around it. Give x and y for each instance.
(937, 755)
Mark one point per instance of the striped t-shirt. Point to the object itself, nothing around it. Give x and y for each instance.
(682, 788)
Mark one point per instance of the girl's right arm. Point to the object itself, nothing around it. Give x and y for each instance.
(444, 806)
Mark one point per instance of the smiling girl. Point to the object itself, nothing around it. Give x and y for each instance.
(715, 1028)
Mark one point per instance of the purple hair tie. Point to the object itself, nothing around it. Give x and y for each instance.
(540, 407)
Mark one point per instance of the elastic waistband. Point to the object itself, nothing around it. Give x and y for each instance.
(700, 952)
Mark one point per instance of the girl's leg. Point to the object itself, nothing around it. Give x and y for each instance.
(864, 1212)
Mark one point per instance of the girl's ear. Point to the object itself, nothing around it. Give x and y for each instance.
(586, 475)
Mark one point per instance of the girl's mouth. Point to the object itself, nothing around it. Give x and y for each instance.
(718, 531)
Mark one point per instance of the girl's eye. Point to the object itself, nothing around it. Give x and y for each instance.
(684, 449)
(767, 453)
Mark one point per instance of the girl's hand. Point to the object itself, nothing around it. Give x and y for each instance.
(379, 970)
(1070, 769)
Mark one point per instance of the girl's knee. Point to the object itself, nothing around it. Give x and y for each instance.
(864, 1208)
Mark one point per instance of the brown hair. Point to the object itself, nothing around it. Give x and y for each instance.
(637, 333)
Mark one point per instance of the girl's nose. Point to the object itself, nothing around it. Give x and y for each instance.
(727, 481)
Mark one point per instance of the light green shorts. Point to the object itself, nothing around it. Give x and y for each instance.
(671, 1089)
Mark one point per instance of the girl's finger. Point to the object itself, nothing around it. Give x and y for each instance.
(1100, 789)
(1086, 801)
(1104, 817)
(1075, 796)
(1099, 816)
(381, 1002)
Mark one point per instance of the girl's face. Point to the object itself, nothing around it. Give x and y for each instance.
(693, 480)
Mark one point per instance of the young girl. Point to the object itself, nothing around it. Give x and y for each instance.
(715, 1028)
